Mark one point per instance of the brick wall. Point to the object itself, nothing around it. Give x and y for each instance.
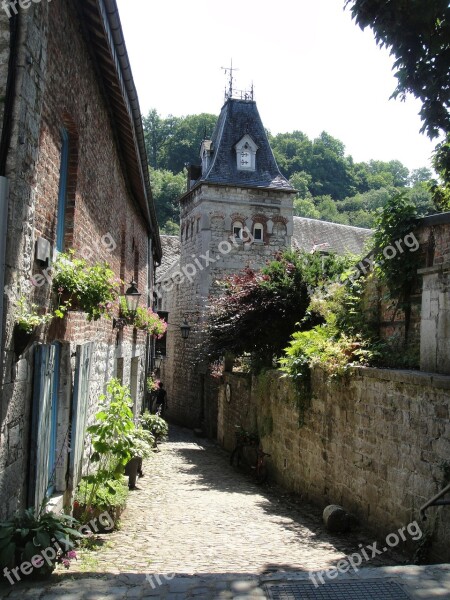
(377, 443)
(57, 87)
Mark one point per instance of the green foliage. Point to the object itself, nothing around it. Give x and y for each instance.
(170, 228)
(418, 36)
(93, 287)
(143, 442)
(109, 495)
(27, 316)
(112, 433)
(152, 384)
(172, 142)
(257, 311)
(166, 189)
(144, 318)
(155, 425)
(115, 440)
(399, 273)
(28, 533)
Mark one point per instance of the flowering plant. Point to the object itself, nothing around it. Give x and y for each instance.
(27, 317)
(152, 384)
(151, 322)
(144, 318)
(93, 287)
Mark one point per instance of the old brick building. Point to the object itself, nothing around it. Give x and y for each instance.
(237, 212)
(73, 174)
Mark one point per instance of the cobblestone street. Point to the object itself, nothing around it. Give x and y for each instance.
(193, 513)
(195, 528)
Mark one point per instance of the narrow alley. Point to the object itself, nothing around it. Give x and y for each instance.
(195, 528)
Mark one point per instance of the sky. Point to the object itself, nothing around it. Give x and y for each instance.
(312, 68)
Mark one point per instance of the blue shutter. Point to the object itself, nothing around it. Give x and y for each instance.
(41, 424)
(62, 196)
(79, 411)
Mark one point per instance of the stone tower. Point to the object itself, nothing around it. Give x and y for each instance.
(237, 212)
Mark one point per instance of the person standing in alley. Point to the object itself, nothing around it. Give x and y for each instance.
(161, 400)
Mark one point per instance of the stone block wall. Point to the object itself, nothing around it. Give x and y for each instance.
(378, 443)
(209, 253)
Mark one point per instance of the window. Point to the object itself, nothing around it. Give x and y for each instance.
(237, 230)
(258, 232)
(62, 194)
(246, 154)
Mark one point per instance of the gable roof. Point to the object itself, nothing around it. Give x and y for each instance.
(101, 24)
(237, 118)
(171, 249)
(312, 234)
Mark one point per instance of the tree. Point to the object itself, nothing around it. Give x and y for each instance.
(301, 182)
(156, 133)
(418, 35)
(167, 188)
(304, 207)
(257, 311)
(329, 212)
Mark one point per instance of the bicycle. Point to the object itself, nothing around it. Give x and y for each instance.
(248, 453)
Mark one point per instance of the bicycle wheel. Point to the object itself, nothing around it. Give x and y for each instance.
(236, 457)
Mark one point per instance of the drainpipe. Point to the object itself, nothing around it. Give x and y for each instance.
(3, 232)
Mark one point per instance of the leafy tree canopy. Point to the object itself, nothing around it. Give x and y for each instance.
(417, 32)
(258, 310)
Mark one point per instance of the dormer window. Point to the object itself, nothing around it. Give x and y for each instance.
(246, 154)
(205, 155)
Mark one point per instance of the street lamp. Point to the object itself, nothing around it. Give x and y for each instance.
(185, 329)
(132, 297)
(157, 360)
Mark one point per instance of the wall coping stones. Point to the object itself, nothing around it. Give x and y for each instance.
(443, 267)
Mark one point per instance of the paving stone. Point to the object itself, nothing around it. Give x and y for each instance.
(207, 532)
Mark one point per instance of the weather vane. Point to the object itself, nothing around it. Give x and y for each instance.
(230, 70)
(231, 92)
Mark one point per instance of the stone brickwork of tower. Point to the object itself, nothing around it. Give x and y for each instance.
(236, 214)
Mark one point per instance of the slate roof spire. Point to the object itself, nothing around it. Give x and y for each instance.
(237, 119)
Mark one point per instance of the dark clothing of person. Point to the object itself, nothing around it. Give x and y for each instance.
(161, 396)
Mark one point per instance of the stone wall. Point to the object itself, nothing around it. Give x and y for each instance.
(208, 254)
(378, 442)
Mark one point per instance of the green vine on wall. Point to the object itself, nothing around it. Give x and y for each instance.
(396, 259)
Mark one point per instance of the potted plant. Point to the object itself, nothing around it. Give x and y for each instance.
(92, 499)
(156, 425)
(143, 444)
(91, 288)
(26, 322)
(42, 540)
(145, 319)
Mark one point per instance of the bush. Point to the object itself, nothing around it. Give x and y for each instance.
(155, 425)
(92, 499)
(93, 288)
(27, 534)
